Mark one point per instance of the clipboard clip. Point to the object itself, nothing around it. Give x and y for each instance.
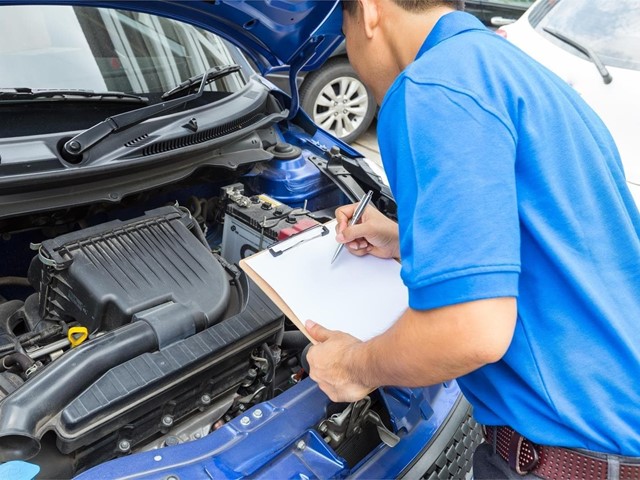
(279, 248)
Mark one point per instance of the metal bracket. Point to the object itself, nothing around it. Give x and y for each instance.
(341, 426)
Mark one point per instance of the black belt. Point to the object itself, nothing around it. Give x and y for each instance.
(552, 463)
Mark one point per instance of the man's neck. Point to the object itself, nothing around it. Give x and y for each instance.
(407, 31)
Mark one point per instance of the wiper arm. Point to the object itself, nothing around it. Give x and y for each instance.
(87, 139)
(210, 77)
(25, 93)
(602, 69)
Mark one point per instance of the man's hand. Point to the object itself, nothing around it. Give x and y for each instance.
(329, 363)
(375, 234)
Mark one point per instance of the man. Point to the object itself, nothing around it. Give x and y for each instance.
(519, 244)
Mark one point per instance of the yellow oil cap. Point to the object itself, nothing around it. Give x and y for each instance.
(77, 335)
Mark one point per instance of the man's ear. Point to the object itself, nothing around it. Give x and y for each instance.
(370, 16)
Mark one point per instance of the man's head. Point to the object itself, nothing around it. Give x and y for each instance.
(350, 6)
(384, 36)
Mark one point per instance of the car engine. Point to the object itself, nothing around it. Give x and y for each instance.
(138, 335)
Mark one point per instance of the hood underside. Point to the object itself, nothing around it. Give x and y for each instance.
(299, 33)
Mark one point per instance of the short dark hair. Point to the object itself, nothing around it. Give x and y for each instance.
(351, 6)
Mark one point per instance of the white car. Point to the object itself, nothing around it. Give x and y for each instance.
(595, 47)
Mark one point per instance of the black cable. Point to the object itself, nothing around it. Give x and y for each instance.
(30, 338)
(269, 378)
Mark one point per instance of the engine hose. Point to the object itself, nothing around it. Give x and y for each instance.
(15, 281)
(7, 309)
(294, 340)
(48, 392)
(17, 359)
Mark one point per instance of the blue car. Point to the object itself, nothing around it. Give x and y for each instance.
(141, 158)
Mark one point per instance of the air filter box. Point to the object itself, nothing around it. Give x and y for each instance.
(101, 276)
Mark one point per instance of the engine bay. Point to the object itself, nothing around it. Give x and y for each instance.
(129, 327)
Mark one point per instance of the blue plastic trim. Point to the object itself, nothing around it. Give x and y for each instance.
(19, 470)
(280, 441)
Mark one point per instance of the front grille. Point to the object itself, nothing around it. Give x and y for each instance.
(204, 135)
(456, 459)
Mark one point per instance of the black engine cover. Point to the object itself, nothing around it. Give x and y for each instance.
(101, 276)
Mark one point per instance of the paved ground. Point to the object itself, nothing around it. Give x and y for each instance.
(367, 144)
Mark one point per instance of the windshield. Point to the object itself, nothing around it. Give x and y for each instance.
(64, 47)
(611, 28)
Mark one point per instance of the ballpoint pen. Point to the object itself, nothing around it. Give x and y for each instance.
(356, 216)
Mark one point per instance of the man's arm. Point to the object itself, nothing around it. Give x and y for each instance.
(422, 348)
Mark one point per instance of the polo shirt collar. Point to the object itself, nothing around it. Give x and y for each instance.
(448, 26)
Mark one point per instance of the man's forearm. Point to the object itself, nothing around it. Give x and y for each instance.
(429, 347)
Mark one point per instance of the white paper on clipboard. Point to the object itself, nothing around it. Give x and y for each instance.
(362, 296)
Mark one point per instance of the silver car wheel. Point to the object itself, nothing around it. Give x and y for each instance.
(341, 106)
(337, 100)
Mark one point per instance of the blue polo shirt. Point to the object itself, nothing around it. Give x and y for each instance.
(507, 184)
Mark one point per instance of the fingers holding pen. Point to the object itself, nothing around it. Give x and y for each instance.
(375, 234)
(354, 213)
(353, 236)
(355, 239)
(343, 215)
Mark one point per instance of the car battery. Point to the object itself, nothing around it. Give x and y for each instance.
(252, 224)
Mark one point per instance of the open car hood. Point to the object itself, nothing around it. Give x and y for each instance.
(300, 33)
(273, 33)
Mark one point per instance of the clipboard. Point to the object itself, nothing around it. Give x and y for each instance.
(362, 296)
(281, 247)
(276, 250)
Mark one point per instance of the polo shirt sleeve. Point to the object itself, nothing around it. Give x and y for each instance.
(450, 160)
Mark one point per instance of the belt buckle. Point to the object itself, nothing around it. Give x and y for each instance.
(515, 452)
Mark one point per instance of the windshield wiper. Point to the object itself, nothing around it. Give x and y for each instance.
(87, 139)
(602, 69)
(210, 77)
(26, 93)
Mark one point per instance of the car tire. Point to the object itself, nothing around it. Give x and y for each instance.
(337, 100)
